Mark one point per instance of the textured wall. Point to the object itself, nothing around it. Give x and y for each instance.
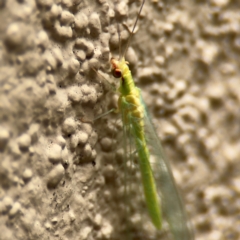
(59, 178)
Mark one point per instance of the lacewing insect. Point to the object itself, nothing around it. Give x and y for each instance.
(159, 189)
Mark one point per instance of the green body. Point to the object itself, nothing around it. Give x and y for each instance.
(133, 113)
(157, 178)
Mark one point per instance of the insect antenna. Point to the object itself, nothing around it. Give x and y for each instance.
(119, 33)
(131, 34)
(120, 41)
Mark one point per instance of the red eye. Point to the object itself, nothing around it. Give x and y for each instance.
(117, 73)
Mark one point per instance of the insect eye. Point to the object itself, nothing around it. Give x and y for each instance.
(117, 73)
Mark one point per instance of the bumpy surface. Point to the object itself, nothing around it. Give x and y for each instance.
(58, 179)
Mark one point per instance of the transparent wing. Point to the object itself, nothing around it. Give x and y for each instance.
(138, 223)
(172, 206)
(129, 178)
